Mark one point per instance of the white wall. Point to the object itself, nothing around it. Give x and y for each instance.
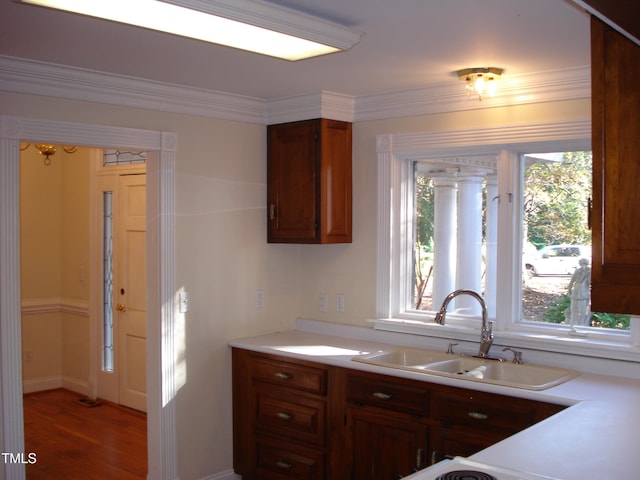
(351, 269)
(223, 257)
(54, 264)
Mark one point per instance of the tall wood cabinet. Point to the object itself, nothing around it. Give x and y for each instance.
(615, 70)
(309, 182)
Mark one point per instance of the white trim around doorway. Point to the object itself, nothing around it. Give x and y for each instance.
(161, 292)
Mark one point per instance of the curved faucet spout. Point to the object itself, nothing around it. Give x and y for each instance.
(486, 335)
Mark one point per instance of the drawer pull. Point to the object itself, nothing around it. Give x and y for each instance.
(478, 415)
(284, 416)
(283, 464)
(382, 395)
(282, 375)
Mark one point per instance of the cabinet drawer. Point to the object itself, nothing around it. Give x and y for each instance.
(301, 377)
(294, 416)
(384, 392)
(487, 411)
(284, 462)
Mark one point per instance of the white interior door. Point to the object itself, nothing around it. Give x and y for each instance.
(130, 292)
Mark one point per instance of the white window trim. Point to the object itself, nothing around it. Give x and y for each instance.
(395, 153)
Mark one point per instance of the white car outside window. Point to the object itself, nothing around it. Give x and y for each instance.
(557, 259)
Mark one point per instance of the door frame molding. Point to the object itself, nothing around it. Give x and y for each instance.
(161, 291)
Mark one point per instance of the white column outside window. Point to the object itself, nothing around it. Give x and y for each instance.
(469, 268)
(445, 219)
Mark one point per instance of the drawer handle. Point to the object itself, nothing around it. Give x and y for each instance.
(382, 395)
(283, 464)
(284, 416)
(478, 415)
(283, 376)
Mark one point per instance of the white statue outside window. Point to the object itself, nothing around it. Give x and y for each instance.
(579, 311)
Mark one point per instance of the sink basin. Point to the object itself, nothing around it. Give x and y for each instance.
(532, 377)
(407, 358)
(527, 376)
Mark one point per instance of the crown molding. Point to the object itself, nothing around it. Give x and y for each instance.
(557, 85)
(53, 80)
(317, 105)
(40, 78)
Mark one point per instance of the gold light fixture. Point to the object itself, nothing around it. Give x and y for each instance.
(49, 150)
(256, 26)
(480, 80)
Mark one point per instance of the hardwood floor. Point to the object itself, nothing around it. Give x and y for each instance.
(72, 441)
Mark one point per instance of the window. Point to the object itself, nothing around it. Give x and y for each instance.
(107, 282)
(470, 194)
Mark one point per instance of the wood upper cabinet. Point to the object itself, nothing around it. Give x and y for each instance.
(615, 67)
(309, 182)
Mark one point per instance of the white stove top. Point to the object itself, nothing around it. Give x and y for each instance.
(460, 463)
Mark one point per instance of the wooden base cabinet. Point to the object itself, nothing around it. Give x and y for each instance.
(387, 426)
(385, 445)
(279, 418)
(296, 419)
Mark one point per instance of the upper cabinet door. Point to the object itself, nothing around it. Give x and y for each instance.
(292, 182)
(615, 67)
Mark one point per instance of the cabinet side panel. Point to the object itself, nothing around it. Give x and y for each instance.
(336, 181)
(242, 413)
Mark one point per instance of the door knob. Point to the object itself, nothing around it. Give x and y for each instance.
(121, 307)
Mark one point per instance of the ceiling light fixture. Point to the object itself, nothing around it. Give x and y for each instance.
(480, 80)
(251, 25)
(49, 150)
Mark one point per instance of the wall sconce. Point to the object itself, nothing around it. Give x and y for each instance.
(49, 150)
(480, 80)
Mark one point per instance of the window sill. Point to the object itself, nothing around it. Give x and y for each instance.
(610, 347)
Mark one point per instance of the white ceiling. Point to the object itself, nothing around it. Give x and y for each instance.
(407, 44)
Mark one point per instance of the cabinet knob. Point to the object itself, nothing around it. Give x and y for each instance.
(284, 416)
(272, 211)
(282, 376)
(283, 464)
(478, 415)
(381, 395)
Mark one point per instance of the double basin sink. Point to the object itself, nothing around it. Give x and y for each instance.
(527, 376)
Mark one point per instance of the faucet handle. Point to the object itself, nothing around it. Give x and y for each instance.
(517, 354)
(450, 347)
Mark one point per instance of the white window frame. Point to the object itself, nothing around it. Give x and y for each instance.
(395, 155)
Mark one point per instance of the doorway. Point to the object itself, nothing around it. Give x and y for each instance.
(161, 293)
(119, 219)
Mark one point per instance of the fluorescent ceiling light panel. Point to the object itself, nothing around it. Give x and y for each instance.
(250, 25)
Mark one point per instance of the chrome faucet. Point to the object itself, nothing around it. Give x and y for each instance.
(486, 335)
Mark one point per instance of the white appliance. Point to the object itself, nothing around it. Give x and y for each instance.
(461, 466)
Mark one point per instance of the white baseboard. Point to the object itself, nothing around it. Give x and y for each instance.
(50, 383)
(226, 475)
(41, 384)
(76, 385)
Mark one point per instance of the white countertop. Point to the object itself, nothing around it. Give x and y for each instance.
(596, 438)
